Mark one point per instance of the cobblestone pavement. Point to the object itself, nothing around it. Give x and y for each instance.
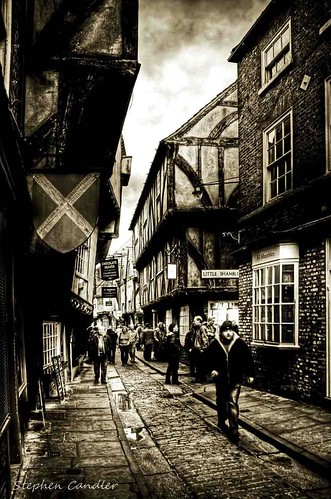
(192, 459)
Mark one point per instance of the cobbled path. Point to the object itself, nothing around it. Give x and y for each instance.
(204, 459)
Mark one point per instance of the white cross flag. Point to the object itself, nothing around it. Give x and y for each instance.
(65, 207)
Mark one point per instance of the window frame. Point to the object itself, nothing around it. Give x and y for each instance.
(327, 84)
(277, 300)
(51, 342)
(265, 67)
(5, 42)
(268, 166)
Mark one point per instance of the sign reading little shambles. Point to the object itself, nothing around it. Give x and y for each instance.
(220, 274)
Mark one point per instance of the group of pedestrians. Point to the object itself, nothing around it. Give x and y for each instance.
(102, 347)
(162, 344)
(214, 351)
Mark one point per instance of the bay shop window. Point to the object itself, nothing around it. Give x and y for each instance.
(275, 296)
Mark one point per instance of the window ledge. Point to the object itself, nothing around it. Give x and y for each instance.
(272, 345)
(270, 82)
(325, 27)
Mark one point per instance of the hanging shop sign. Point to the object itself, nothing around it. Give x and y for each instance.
(172, 271)
(220, 274)
(109, 269)
(65, 207)
(109, 292)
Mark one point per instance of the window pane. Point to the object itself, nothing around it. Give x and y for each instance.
(287, 57)
(269, 313)
(287, 293)
(288, 313)
(277, 269)
(269, 55)
(288, 273)
(269, 332)
(288, 182)
(276, 313)
(262, 314)
(255, 314)
(287, 144)
(281, 169)
(285, 37)
(276, 333)
(273, 173)
(279, 132)
(263, 332)
(273, 190)
(271, 155)
(262, 277)
(270, 280)
(262, 295)
(287, 123)
(281, 185)
(279, 149)
(269, 294)
(278, 46)
(276, 293)
(280, 64)
(288, 333)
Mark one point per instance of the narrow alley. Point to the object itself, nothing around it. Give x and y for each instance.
(136, 437)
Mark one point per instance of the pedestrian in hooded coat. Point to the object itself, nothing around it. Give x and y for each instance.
(229, 359)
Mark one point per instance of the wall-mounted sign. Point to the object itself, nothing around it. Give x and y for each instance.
(172, 271)
(109, 269)
(220, 274)
(109, 292)
(65, 207)
(277, 252)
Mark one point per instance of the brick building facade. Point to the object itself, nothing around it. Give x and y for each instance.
(284, 88)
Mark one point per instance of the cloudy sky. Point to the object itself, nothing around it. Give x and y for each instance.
(183, 47)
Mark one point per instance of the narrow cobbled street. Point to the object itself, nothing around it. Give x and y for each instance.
(205, 462)
(136, 437)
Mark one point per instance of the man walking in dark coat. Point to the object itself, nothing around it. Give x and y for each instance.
(99, 345)
(228, 360)
(112, 335)
(172, 352)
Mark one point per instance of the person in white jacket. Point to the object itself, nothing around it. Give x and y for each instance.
(133, 342)
(124, 344)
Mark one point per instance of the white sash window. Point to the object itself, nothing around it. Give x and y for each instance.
(275, 296)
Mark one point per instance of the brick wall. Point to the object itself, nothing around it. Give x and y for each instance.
(300, 373)
(258, 111)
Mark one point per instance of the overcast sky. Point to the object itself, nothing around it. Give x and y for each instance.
(183, 47)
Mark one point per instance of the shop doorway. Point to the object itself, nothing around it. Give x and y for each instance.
(223, 311)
